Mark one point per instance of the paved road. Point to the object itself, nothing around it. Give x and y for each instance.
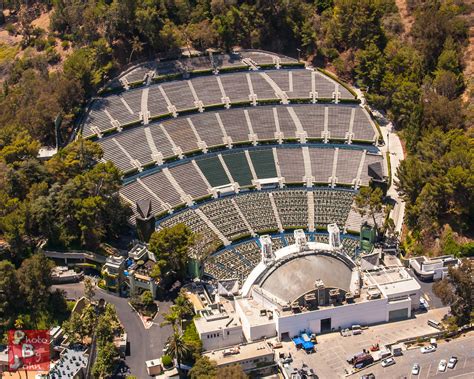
(462, 348)
(144, 344)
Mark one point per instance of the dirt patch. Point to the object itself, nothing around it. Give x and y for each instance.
(42, 21)
(406, 18)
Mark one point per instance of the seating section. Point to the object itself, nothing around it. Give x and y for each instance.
(237, 262)
(191, 220)
(213, 170)
(257, 209)
(238, 168)
(223, 214)
(332, 206)
(293, 208)
(184, 137)
(125, 108)
(263, 163)
(191, 183)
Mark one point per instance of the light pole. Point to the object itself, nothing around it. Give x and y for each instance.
(299, 54)
(388, 142)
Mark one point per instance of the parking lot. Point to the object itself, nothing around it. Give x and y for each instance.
(462, 348)
(332, 350)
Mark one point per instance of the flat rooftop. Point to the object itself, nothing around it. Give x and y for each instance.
(219, 318)
(241, 353)
(392, 281)
(251, 308)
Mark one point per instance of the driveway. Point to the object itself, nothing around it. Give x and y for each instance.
(427, 290)
(145, 344)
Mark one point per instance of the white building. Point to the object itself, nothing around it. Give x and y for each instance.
(433, 268)
(219, 326)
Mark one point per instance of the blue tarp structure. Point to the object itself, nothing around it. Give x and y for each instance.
(298, 341)
(308, 345)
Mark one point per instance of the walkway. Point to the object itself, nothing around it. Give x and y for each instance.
(393, 145)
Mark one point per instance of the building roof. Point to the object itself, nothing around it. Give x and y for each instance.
(297, 276)
(392, 281)
(240, 353)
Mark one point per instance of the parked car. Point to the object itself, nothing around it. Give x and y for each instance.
(388, 362)
(452, 362)
(356, 329)
(428, 349)
(424, 303)
(442, 365)
(368, 376)
(415, 369)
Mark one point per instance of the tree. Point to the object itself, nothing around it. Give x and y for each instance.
(89, 289)
(34, 277)
(106, 361)
(137, 47)
(204, 368)
(232, 371)
(146, 298)
(10, 296)
(177, 348)
(74, 328)
(457, 291)
(368, 202)
(171, 248)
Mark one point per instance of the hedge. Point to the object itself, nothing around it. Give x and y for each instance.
(233, 69)
(332, 76)
(292, 64)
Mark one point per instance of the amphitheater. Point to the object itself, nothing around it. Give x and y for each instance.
(236, 146)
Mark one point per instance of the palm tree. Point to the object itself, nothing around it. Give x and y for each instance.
(171, 318)
(177, 348)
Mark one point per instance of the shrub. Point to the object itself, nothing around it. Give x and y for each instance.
(65, 45)
(166, 360)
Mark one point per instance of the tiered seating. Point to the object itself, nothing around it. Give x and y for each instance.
(263, 57)
(257, 209)
(331, 206)
(263, 163)
(213, 170)
(136, 192)
(349, 245)
(181, 133)
(293, 208)
(261, 88)
(118, 111)
(224, 215)
(290, 239)
(236, 87)
(96, 118)
(362, 128)
(226, 265)
(325, 87)
(311, 118)
(301, 84)
(347, 165)
(277, 243)
(207, 90)
(113, 153)
(179, 94)
(287, 126)
(189, 180)
(191, 220)
(339, 120)
(208, 128)
(238, 168)
(263, 122)
(156, 102)
(321, 164)
(162, 143)
(250, 252)
(291, 164)
(133, 99)
(135, 143)
(235, 124)
(160, 185)
(281, 78)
